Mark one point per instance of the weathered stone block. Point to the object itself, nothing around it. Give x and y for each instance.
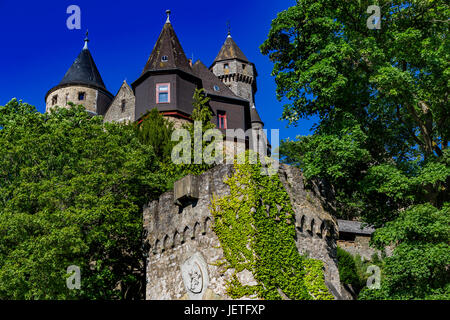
(186, 190)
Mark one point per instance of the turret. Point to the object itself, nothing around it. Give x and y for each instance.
(167, 81)
(82, 84)
(233, 68)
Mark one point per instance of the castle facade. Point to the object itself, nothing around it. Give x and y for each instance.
(167, 82)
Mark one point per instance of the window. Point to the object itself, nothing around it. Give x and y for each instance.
(164, 58)
(243, 66)
(122, 107)
(226, 66)
(54, 99)
(81, 96)
(163, 93)
(222, 119)
(216, 88)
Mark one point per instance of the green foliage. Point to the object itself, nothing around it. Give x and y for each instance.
(382, 135)
(418, 268)
(201, 114)
(156, 131)
(71, 193)
(347, 268)
(201, 111)
(255, 229)
(340, 158)
(393, 80)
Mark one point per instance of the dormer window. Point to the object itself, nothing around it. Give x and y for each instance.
(81, 96)
(54, 99)
(164, 58)
(163, 93)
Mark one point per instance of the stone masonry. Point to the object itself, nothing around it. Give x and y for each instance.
(63, 96)
(122, 108)
(184, 250)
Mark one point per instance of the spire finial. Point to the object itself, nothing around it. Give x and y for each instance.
(228, 29)
(168, 16)
(86, 40)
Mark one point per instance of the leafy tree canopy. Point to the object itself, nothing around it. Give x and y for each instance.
(381, 97)
(71, 193)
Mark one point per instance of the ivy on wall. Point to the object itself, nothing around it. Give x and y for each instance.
(256, 231)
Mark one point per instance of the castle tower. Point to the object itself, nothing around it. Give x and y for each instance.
(232, 67)
(167, 81)
(82, 84)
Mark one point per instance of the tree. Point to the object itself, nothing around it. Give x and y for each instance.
(381, 97)
(419, 267)
(201, 114)
(71, 193)
(156, 131)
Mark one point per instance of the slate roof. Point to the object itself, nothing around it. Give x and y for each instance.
(167, 45)
(84, 71)
(230, 50)
(254, 116)
(354, 227)
(210, 80)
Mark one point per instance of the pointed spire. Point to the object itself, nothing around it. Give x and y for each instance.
(167, 53)
(230, 50)
(254, 116)
(84, 70)
(168, 16)
(86, 40)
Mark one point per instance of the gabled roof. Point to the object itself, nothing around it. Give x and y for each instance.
(209, 81)
(354, 227)
(230, 50)
(168, 46)
(83, 71)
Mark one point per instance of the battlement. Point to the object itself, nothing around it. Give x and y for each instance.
(178, 231)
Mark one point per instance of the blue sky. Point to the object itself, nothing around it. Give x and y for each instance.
(38, 48)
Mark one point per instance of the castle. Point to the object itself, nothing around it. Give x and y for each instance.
(182, 252)
(167, 83)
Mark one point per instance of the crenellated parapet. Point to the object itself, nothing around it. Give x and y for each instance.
(179, 236)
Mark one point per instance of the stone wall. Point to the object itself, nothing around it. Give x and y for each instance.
(360, 246)
(122, 109)
(70, 94)
(184, 250)
(177, 121)
(316, 228)
(239, 77)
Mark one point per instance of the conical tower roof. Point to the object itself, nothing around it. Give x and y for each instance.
(254, 116)
(84, 70)
(230, 50)
(167, 52)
